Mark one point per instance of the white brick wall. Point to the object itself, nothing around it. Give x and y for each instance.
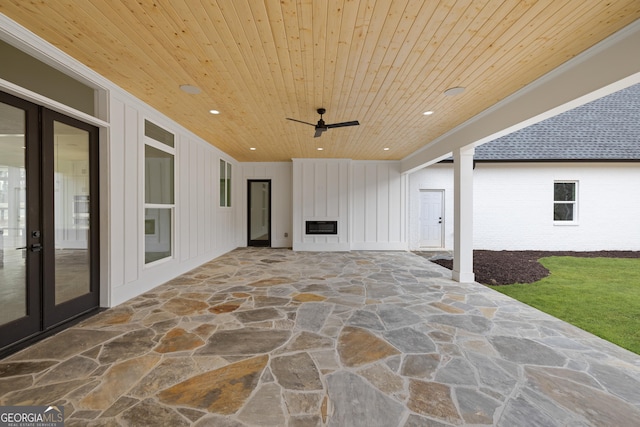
(513, 205)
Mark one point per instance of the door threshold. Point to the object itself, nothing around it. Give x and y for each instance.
(33, 339)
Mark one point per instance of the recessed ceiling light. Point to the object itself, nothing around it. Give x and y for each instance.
(386, 148)
(214, 111)
(319, 148)
(193, 90)
(454, 91)
(428, 113)
(252, 148)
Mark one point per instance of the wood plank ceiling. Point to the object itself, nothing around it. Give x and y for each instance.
(380, 62)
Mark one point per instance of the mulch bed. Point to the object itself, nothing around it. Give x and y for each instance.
(508, 267)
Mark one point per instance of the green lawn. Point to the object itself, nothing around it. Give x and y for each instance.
(599, 295)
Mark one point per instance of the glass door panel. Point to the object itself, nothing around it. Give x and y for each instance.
(13, 243)
(70, 186)
(259, 215)
(71, 212)
(20, 243)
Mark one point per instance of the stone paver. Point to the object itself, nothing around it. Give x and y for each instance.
(271, 337)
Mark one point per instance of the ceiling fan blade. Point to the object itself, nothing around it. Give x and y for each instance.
(319, 131)
(300, 121)
(343, 124)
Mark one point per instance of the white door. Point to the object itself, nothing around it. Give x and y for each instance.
(431, 218)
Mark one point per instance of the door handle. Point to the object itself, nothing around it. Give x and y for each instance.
(36, 247)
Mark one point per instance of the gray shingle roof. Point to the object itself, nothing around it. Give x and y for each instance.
(605, 129)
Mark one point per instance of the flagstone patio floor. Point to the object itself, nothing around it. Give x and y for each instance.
(272, 337)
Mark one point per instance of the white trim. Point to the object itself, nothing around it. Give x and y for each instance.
(322, 247)
(159, 145)
(41, 100)
(379, 246)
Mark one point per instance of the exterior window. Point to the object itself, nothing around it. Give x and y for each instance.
(159, 197)
(565, 202)
(156, 133)
(225, 184)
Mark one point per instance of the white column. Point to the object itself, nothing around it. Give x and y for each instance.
(463, 215)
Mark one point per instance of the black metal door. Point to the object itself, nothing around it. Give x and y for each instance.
(49, 250)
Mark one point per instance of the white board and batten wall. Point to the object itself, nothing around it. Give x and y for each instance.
(202, 229)
(513, 206)
(378, 206)
(366, 198)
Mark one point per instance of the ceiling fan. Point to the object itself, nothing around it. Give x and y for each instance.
(321, 126)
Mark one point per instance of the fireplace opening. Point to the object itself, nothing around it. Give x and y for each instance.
(321, 227)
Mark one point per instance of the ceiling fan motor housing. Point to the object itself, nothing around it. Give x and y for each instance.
(321, 126)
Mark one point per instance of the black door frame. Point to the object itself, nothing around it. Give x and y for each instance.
(250, 242)
(31, 323)
(55, 314)
(43, 317)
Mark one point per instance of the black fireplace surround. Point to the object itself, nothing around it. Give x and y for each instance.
(321, 227)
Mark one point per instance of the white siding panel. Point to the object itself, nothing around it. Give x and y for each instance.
(116, 203)
(191, 165)
(343, 189)
(183, 199)
(308, 191)
(371, 203)
(202, 198)
(358, 182)
(333, 193)
(133, 195)
(208, 202)
(321, 204)
(377, 206)
(382, 209)
(396, 204)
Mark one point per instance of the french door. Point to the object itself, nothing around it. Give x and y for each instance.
(49, 261)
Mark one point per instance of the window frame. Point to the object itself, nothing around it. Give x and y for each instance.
(224, 185)
(171, 207)
(573, 203)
